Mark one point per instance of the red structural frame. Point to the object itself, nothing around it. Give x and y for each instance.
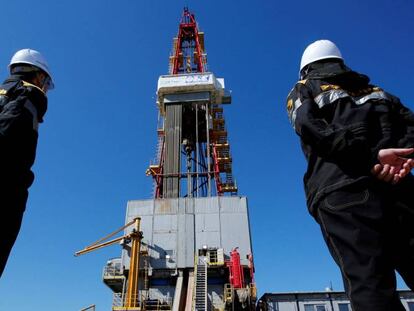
(188, 31)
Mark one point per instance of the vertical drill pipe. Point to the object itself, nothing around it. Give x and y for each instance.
(196, 151)
(189, 180)
(208, 151)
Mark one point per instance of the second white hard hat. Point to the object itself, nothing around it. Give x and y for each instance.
(34, 58)
(318, 50)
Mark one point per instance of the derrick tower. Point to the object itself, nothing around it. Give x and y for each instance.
(195, 248)
(193, 155)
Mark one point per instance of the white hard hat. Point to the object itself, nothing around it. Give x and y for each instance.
(318, 50)
(34, 58)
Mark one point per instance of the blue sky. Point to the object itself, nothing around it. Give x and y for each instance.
(100, 130)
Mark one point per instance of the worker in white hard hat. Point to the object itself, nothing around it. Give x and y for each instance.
(23, 103)
(358, 140)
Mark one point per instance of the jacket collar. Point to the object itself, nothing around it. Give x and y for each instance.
(338, 73)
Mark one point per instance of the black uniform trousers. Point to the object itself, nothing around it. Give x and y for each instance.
(12, 206)
(369, 230)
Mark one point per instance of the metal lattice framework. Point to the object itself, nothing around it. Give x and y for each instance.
(203, 148)
(188, 47)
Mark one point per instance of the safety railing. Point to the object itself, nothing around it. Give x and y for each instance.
(212, 257)
(158, 305)
(228, 293)
(112, 271)
(119, 300)
(139, 302)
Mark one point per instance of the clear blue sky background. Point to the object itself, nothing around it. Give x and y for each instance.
(100, 130)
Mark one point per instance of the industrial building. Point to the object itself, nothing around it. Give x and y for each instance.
(318, 301)
(189, 247)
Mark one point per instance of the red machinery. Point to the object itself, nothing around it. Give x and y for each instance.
(236, 270)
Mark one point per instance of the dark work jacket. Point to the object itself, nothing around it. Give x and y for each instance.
(343, 121)
(22, 107)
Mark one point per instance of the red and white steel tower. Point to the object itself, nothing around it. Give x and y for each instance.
(194, 252)
(193, 154)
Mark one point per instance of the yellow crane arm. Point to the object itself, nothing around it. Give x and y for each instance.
(92, 247)
(100, 244)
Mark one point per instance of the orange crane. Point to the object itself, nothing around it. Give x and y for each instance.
(131, 302)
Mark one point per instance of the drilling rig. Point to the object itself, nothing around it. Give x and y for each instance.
(195, 251)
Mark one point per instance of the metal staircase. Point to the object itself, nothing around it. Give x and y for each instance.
(200, 290)
(221, 153)
(156, 169)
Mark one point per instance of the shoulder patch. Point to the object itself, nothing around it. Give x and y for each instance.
(3, 92)
(302, 81)
(289, 105)
(327, 87)
(27, 84)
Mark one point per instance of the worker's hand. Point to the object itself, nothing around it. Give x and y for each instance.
(393, 164)
(385, 173)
